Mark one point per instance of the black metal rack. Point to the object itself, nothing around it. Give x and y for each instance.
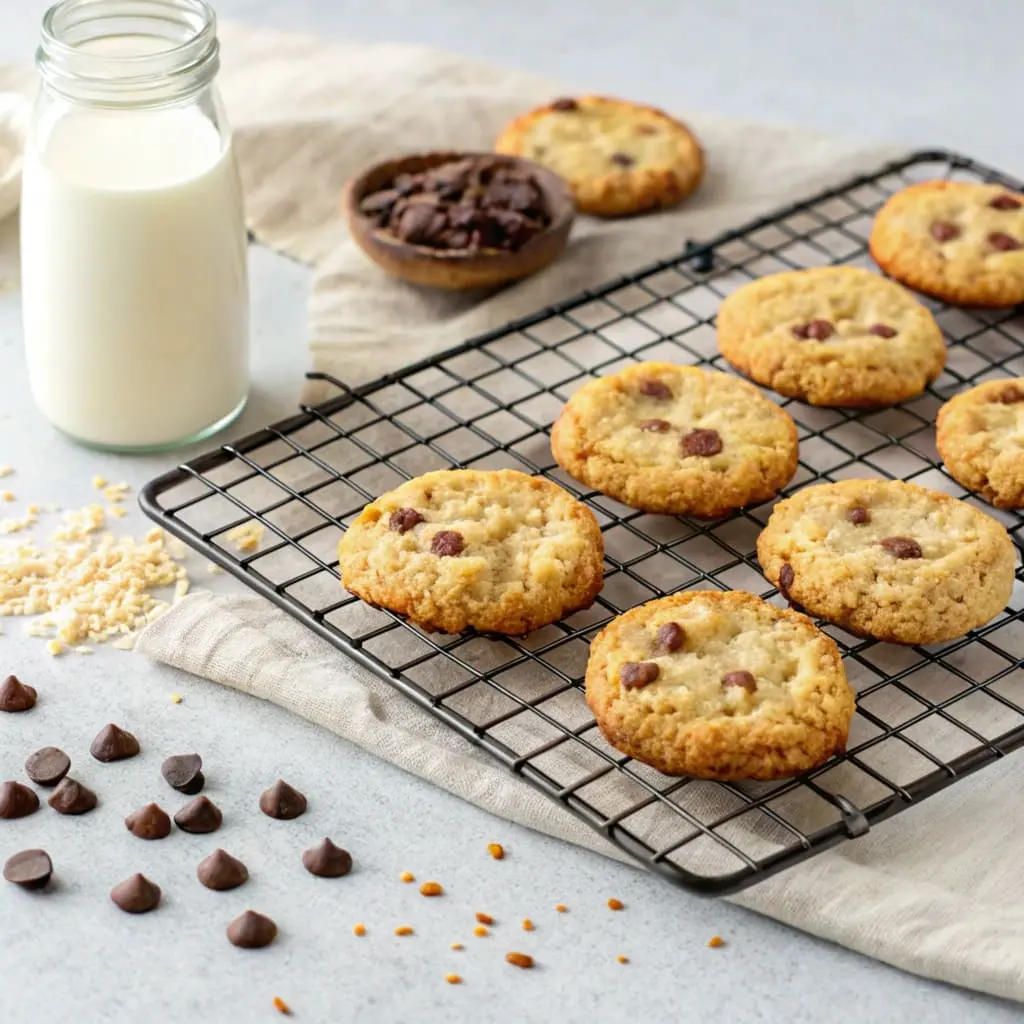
(926, 716)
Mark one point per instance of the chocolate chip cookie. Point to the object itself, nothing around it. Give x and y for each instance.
(677, 440)
(959, 241)
(981, 440)
(719, 686)
(619, 158)
(497, 551)
(888, 559)
(837, 336)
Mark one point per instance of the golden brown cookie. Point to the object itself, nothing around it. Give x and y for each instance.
(981, 440)
(619, 158)
(497, 551)
(837, 336)
(677, 440)
(959, 241)
(719, 686)
(888, 559)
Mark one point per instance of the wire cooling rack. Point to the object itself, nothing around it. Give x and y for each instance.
(926, 717)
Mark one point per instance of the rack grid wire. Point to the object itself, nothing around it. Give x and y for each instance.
(926, 716)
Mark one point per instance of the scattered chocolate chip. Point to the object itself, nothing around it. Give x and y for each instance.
(325, 860)
(786, 577)
(1003, 242)
(71, 797)
(820, 330)
(402, 520)
(199, 816)
(17, 801)
(136, 895)
(1010, 395)
(901, 547)
(741, 677)
(151, 822)
(281, 801)
(46, 767)
(654, 388)
(220, 871)
(703, 262)
(801, 331)
(251, 931)
(16, 696)
(944, 231)
(656, 426)
(636, 674)
(670, 637)
(883, 330)
(31, 869)
(379, 204)
(1005, 202)
(858, 515)
(622, 160)
(447, 543)
(701, 442)
(184, 772)
(564, 103)
(113, 744)
(414, 223)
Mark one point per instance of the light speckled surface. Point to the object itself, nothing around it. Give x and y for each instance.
(70, 955)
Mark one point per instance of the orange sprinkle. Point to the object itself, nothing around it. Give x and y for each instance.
(456, 945)
(480, 931)
(496, 850)
(561, 908)
(519, 960)
(360, 929)
(453, 979)
(431, 889)
(485, 918)
(527, 925)
(715, 941)
(614, 904)
(403, 929)
(281, 1006)
(622, 959)
(406, 876)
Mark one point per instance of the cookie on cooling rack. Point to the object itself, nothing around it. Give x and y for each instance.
(677, 440)
(960, 241)
(837, 336)
(979, 438)
(888, 559)
(497, 551)
(619, 158)
(719, 686)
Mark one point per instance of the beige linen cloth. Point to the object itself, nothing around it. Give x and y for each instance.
(938, 891)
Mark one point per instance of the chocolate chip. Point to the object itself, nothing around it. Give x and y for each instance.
(819, 330)
(31, 869)
(944, 231)
(46, 767)
(16, 696)
(71, 797)
(402, 520)
(251, 931)
(199, 816)
(184, 772)
(801, 331)
(901, 547)
(741, 677)
(670, 637)
(379, 204)
(564, 103)
(654, 388)
(883, 330)
(414, 222)
(1010, 395)
(634, 675)
(858, 515)
(325, 860)
(1003, 242)
(283, 802)
(17, 801)
(151, 822)
(622, 159)
(136, 895)
(220, 871)
(786, 577)
(656, 426)
(113, 744)
(701, 442)
(1005, 202)
(447, 543)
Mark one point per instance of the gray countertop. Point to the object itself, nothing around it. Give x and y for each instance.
(923, 74)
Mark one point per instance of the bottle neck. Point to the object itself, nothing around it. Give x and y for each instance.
(128, 53)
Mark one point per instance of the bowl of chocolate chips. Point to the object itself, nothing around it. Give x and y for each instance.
(460, 220)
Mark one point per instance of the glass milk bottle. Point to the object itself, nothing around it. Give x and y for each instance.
(134, 275)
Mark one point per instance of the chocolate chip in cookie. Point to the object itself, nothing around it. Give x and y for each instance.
(786, 577)
(447, 543)
(858, 515)
(1005, 202)
(742, 678)
(901, 547)
(622, 160)
(565, 103)
(1010, 395)
(402, 520)
(1003, 242)
(654, 388)
(944, 231)
(670, 637)
(656, 426)
(701, 442)
(635, 675)
(882, 331)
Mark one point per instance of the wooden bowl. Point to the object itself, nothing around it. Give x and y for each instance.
(457, 270)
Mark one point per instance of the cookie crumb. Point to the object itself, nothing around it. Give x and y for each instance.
(7, 495)
(480, 931)
(485, 918)
(456, 945)
(282, 1007)
(519, 960)
(403, 929)
(622, 959)
(561, 908)
(407, 876)
(99, 482)
(453, 979)
(527, 925)
(213, 569)
(716, 941)
(54, 647)
(118, 512)
(496, 850)
(176, 698)
(614, 904)
(5, 471)
(360, 930)
(431, 889)
(246, 537)
(116, 492)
